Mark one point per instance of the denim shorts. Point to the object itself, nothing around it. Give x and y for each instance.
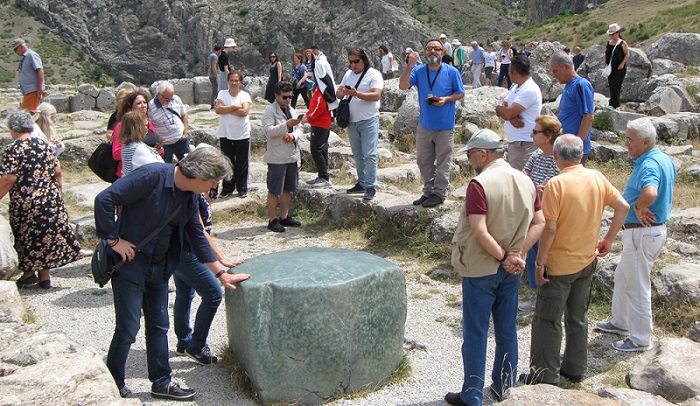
(282, 178)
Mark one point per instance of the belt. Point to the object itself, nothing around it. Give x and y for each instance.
(638, 225)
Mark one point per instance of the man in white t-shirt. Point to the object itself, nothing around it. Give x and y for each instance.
(364, 118)
(521, 108)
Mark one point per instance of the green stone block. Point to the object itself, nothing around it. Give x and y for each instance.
(313, 324)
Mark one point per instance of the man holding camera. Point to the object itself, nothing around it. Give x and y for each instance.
(439, 88)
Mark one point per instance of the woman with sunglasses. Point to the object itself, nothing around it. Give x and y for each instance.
(618, 51)
(275, 76)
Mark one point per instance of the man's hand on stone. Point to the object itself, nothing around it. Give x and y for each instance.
(230, 279)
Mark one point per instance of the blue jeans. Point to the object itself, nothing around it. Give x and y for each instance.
(530, 264)
(129, 300)
(364, 137)
(192, 276)
(504, 74)
(179, 149)
(493, 295)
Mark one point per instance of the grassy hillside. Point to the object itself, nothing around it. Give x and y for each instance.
(643, 22)
(63, 64)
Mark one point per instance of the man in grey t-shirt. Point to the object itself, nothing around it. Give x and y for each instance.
(214, 71)
(31, 75)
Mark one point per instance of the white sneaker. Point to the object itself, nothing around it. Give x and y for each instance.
(313, 181)
(322, 183)
(528, 306)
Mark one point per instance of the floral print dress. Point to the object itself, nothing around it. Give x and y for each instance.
(38, 217)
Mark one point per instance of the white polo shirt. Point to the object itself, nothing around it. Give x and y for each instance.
(529, 96)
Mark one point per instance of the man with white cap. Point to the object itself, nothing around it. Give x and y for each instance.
(502, 218)
(225, 64)
(445, 45)
(31, 75)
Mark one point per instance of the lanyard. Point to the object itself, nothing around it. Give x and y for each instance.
(427, 75)
(171, 119)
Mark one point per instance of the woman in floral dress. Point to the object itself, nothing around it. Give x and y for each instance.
(31, 174)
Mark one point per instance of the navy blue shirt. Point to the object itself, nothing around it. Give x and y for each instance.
(148, 196)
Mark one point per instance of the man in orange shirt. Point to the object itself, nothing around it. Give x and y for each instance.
(573, 204)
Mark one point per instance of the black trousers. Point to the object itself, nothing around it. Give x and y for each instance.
(319, 150)
(304, 92)
(238, 151)
(615, 83)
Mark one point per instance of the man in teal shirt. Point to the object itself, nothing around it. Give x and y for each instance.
(649, 192)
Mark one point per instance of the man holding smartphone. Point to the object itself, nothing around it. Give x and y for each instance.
(439, 88)
(573, 204)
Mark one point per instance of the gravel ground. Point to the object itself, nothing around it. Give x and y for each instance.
(78, 307)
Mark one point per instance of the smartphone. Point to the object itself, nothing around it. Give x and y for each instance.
(348, 87)
(546, 272)
(300, 116)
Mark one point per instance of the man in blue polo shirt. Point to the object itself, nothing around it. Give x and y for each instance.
(576, 104)
(477, 64)
(439, 88)
(649, 192)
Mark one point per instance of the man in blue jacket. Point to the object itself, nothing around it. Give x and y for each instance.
(148, 197)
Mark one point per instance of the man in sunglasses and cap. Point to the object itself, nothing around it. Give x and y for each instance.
(501, 219)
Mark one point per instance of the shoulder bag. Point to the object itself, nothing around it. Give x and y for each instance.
(607, 71)
(103, 164)
(342, 113)
(103, 263)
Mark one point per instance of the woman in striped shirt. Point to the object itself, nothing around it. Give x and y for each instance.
(135, 152)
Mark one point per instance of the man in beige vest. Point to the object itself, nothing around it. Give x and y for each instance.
(573, 204)
(501, 220)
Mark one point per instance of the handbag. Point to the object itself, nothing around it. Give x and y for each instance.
(103, 263)
(103, 164)
(607, 71)
(342, 113)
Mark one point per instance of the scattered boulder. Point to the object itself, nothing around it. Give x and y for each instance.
(631, 397)
(105, 101)
(407, 120)
(605, 276)
(685, 124)
(693, 172)
(8, 255)
(685, 221)
(678, 283)
(397, 174)
(694, 333)
(85, 230)
(479, 106)
(443, 228)
(604, 136)
(81, 101)
(538, 395)
(670, 369)
(79, 150)
(11, 305)
(202, 90)
(663, 101)
(50, 368)
(184, 89)
(638, 71)
(255, 86)
(678, 47)
(203, 135)
(661, 66)
(60, 101)
(605, 153)
(258, 139)
(393, 97)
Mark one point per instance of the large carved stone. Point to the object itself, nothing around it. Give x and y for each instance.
(313, 324)
(670, 369)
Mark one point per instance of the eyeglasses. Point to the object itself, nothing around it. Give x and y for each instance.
(436, 49)
(168, 98)
(471, 152)
(273, 57)
(353, 61)
(286, 97)
(538, 131)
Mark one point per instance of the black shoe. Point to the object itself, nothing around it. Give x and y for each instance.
(530, 379)
(204, 356)
(420, 200)
(370, 192)
(45, 284)
(433, 201)
(454, 399)
(180, 351)
(572, 378)
(274, 225)
(243, 194)
(172, 391)
(290, 222)
(125, 392)
(27, 282)
(356, 189)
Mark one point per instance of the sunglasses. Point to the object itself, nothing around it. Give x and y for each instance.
(286, 97)
(353, 61)
(538, 131)
(436, 49)
(273, 57)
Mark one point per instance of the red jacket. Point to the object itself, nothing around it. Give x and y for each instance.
(318, 114)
